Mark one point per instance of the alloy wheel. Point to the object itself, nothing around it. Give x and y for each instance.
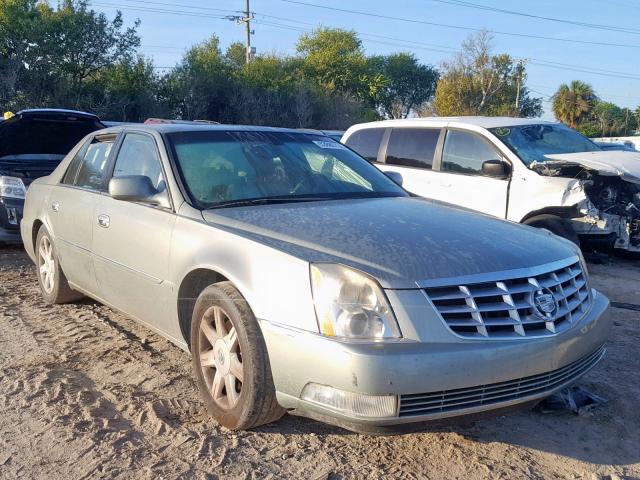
(47, 265)
(221, 357)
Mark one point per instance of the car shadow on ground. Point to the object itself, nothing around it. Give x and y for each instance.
(564, 434)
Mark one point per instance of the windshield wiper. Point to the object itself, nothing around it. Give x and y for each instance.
(267, 201)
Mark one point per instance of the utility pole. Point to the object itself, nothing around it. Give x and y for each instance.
(247, 21)
(519, 70)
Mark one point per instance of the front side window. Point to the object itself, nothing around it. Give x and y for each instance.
(466, 152)
(532, 142)
(138, 155)
(229, 167)
(412, 147)
(366, 142)
(92, 169)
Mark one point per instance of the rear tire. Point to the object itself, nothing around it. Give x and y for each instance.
(556, 225)
(230, 360)
(53, 283)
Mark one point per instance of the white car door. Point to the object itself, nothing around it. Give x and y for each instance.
(410, 152)
(460, 179)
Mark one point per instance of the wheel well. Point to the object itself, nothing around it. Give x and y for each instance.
(34, 232)
(562, 212)
(191, 286)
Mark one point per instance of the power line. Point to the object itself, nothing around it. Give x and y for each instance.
(539, 62)
(612, 28)
(459, 27)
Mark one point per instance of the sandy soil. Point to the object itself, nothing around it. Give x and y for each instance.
(87, 393)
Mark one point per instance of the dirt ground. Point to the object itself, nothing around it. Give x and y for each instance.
(86, 393)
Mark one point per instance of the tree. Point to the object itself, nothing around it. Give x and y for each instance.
(476, 82)
(236, 54)
(407, 84)
(198, 88)
(572, 103)
(334, 58)
(607, 119)
(126, 91)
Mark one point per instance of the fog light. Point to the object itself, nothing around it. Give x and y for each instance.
(12, 216)
(350, 403)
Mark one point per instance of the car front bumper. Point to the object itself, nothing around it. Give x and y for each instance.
(448, 379)
(10, 217)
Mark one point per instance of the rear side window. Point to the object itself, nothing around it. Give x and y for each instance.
(466, 152)
(92, 170)
(72, 169)
(366, 142)
(412, 147)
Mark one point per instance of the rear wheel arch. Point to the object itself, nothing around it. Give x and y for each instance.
(190, 288)
(37, 224)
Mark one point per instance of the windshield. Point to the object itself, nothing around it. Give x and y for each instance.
(532, 142)
(222, 168)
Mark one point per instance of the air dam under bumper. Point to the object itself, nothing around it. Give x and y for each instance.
(420, 372)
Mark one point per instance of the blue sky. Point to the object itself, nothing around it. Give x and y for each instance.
(165, 36)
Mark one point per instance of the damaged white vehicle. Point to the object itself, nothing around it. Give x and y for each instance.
(529, 171)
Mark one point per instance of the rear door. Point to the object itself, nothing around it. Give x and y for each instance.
(131, 241)
(411, 152)
(366, 142)
(460, 179)
(71, 207)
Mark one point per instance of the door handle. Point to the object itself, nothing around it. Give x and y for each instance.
(104, 221)
(445, 185)
(55, 206)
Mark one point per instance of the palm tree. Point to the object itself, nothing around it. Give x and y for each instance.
(572, 103)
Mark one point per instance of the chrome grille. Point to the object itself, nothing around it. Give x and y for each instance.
(462, 398)
(505, 308)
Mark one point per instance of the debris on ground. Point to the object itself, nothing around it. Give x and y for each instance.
(574, 399)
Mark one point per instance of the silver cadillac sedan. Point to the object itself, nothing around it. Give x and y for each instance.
(303, 279)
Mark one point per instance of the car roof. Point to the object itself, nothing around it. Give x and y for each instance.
(56, 111)
(198, 127)
(484, 122)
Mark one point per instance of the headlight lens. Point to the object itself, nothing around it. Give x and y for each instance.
(351, 304)
(12, 187)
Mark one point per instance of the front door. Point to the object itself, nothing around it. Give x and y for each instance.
(131, 241)
(460, 180)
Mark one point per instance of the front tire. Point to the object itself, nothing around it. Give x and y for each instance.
(556, 225)
(230, 360)
(53, 283)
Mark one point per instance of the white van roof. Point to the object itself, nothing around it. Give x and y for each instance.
(484, 122)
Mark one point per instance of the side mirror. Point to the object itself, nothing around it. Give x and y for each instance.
(137, 188)
(395, 176)
(495, 169)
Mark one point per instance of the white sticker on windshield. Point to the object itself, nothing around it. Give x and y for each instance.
(329, 144)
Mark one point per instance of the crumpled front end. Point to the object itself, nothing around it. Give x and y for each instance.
(607, 205)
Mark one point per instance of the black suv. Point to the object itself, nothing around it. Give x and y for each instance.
(32, 144)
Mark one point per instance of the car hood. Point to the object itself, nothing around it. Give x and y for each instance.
(625, 165)
(399, 241)
(29, 167)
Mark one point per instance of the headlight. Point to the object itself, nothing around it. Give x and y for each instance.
(12, 187)
(351, 304)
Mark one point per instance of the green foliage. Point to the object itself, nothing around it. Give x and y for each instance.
(407, 84)
(476, 82)
(47, 55)
(572, 103)
(607, 119)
